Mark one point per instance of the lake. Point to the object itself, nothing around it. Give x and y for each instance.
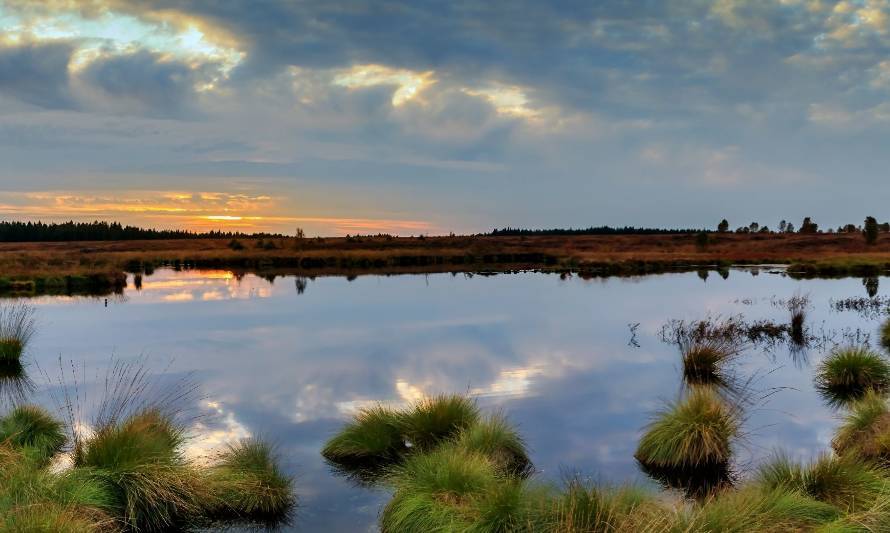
(577, 364)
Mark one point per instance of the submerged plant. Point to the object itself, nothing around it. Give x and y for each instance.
(689, 445)
(247, 484)
(17, 323)
(847, 374)
(34, 431)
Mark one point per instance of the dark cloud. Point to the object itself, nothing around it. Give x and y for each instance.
(37, 73)
(148, 82)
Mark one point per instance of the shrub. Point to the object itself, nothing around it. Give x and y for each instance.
(583, 507)
(33, 429)
(848, 373)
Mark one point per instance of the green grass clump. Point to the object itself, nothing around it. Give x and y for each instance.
(865, 431)
(704, 362)
(689, 445)
(34, 499)
(885, 335)
(846, 482)
(372, 439)
(583, 507)
(752, 509)
(33, 429)
(497, 439)
(380, 436)
(139, 461)
(248, 484)
(848, 373)
(436, 491)
(434, 420)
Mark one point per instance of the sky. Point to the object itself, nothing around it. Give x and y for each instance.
(426, 117)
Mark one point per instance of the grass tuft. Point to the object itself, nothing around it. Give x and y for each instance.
(689, 445)
(434, 420)
(248, 484)
(497, 439)
(704, 362)
(372, 440)
(139, 462)
(865, 431)
(34, 430)
(16, 329)
(846, 482)
(847, 374)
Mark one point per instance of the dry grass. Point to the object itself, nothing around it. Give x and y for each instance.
(33, 260)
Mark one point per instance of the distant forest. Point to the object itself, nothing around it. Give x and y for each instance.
(103, 231)
(600, 230)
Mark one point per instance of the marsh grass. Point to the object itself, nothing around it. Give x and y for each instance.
(433, 420)
(885, 335)
(584, 507)
(34, 430)
(865, 430)
(379, 436)
(248, 485)
(15, 384)
(139, 461)
(689, 444)
(34, 499)
(17, 326)
(797, 307)
(706, 362)
(498, 440)
(365, 446)
(752, 509)
(847, 374)
(435, 491)
(846, 482)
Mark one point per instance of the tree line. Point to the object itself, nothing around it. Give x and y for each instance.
(13, 231)
(599, 230)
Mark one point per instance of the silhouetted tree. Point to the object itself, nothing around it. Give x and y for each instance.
(870, 230)
(723, 226)
(808, 226)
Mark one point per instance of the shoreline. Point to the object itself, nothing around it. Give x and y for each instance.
(101, 267)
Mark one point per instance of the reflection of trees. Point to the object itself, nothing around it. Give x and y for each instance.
(301, 284)
(871, 285)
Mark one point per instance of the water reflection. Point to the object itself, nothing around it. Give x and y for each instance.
(15, 384)
(278, 360)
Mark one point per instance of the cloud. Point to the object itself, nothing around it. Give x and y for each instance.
(148, 83)
(37, 73)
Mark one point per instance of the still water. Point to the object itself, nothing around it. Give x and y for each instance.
(577, 364)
